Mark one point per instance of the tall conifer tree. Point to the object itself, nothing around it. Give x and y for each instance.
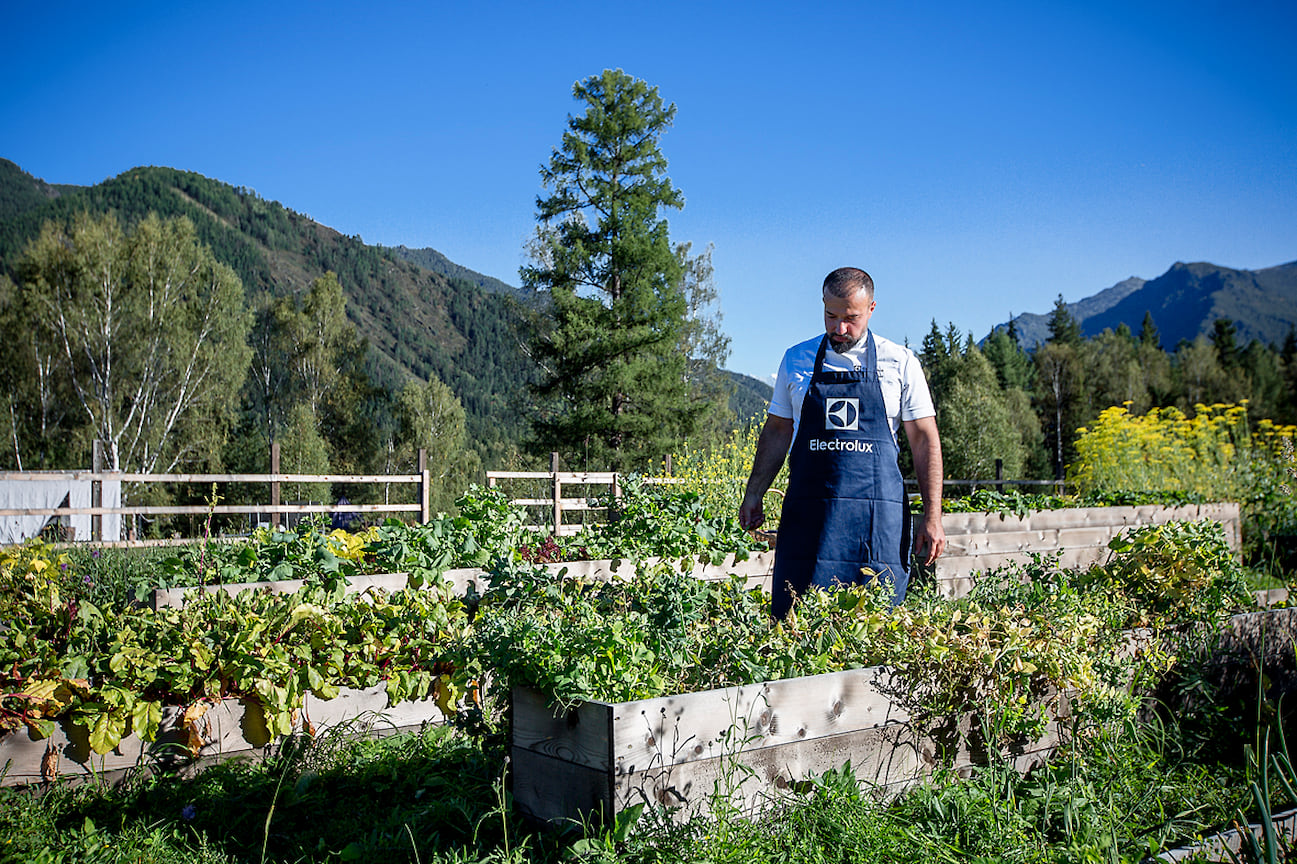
(610, 282)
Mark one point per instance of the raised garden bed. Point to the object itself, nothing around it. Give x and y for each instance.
(756, 568)
(224, 730)
(749, 744)
(982, 541)
(746, 744)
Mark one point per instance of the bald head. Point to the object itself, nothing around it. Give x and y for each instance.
(845, 282)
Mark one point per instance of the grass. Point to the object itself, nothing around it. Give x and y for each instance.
(441, 796)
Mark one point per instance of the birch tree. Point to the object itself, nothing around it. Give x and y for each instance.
(149, 331)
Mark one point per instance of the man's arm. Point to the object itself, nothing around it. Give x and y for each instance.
(772, 447)
(925, 446)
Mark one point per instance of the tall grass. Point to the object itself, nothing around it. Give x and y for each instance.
(441, 796)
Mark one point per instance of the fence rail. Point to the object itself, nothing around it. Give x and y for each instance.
(275, 479)
(557, 505)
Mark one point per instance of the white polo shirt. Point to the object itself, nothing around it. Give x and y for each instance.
(905, 389)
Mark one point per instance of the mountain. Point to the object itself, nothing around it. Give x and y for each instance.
(431, 259)
(751, 397)
(1185, 302)
(417, 322)
(1034, 329)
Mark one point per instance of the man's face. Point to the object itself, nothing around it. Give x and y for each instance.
(845, 320)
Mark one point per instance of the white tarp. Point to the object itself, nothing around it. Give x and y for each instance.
(46, 493)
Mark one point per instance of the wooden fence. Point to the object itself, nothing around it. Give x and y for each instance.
(275, 480)
(556, 505)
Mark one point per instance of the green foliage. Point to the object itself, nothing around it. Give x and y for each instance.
(431, 418)
(140, 331)
(1177, 573)
(110, 673)
(610, 334)
(1005, 652)
(664, 521)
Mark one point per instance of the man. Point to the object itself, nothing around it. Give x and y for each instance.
(839, 401)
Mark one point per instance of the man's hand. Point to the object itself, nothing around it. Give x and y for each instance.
(930, 540)
(752, 512)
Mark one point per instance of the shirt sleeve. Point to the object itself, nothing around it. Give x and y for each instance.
(916, 399)
(781, 401)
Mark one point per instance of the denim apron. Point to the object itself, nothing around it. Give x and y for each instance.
(845, 507)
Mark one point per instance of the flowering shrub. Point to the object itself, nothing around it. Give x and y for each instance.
(718, 474)
(1214, 455)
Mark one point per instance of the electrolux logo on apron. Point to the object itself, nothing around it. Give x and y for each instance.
(841, 414)
(844, 519)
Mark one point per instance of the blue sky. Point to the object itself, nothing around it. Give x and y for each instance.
(977, 158)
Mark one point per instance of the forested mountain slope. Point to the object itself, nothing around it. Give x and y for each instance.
(417, 322)
(420, 313)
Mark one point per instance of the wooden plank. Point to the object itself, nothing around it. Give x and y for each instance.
(957, 566)
(579, 736)
(689, 727)
(551, 790)
(1229, 845)
(750, 781)
(1033, 541)
(607, 478)
(887, 759)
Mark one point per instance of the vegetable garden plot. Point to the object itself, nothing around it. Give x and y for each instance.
(982, 541)
(977, 542)
(750, 744)
(209, 729)
(745, 744)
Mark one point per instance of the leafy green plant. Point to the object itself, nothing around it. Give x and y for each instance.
(111, 672)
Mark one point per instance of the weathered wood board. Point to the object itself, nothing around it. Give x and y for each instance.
(747, 745)
(25, 759)
(1228, 845)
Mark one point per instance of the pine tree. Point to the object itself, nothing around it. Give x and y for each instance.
(1148, 334)
(613, 307)
(1064, 329)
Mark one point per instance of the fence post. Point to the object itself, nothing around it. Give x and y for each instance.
(274, 483)
(999, 476)
(424, 481)
(97, 490)
(558, 493)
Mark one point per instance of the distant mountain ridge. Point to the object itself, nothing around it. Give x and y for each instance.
(430, 259)
(1185, 302)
